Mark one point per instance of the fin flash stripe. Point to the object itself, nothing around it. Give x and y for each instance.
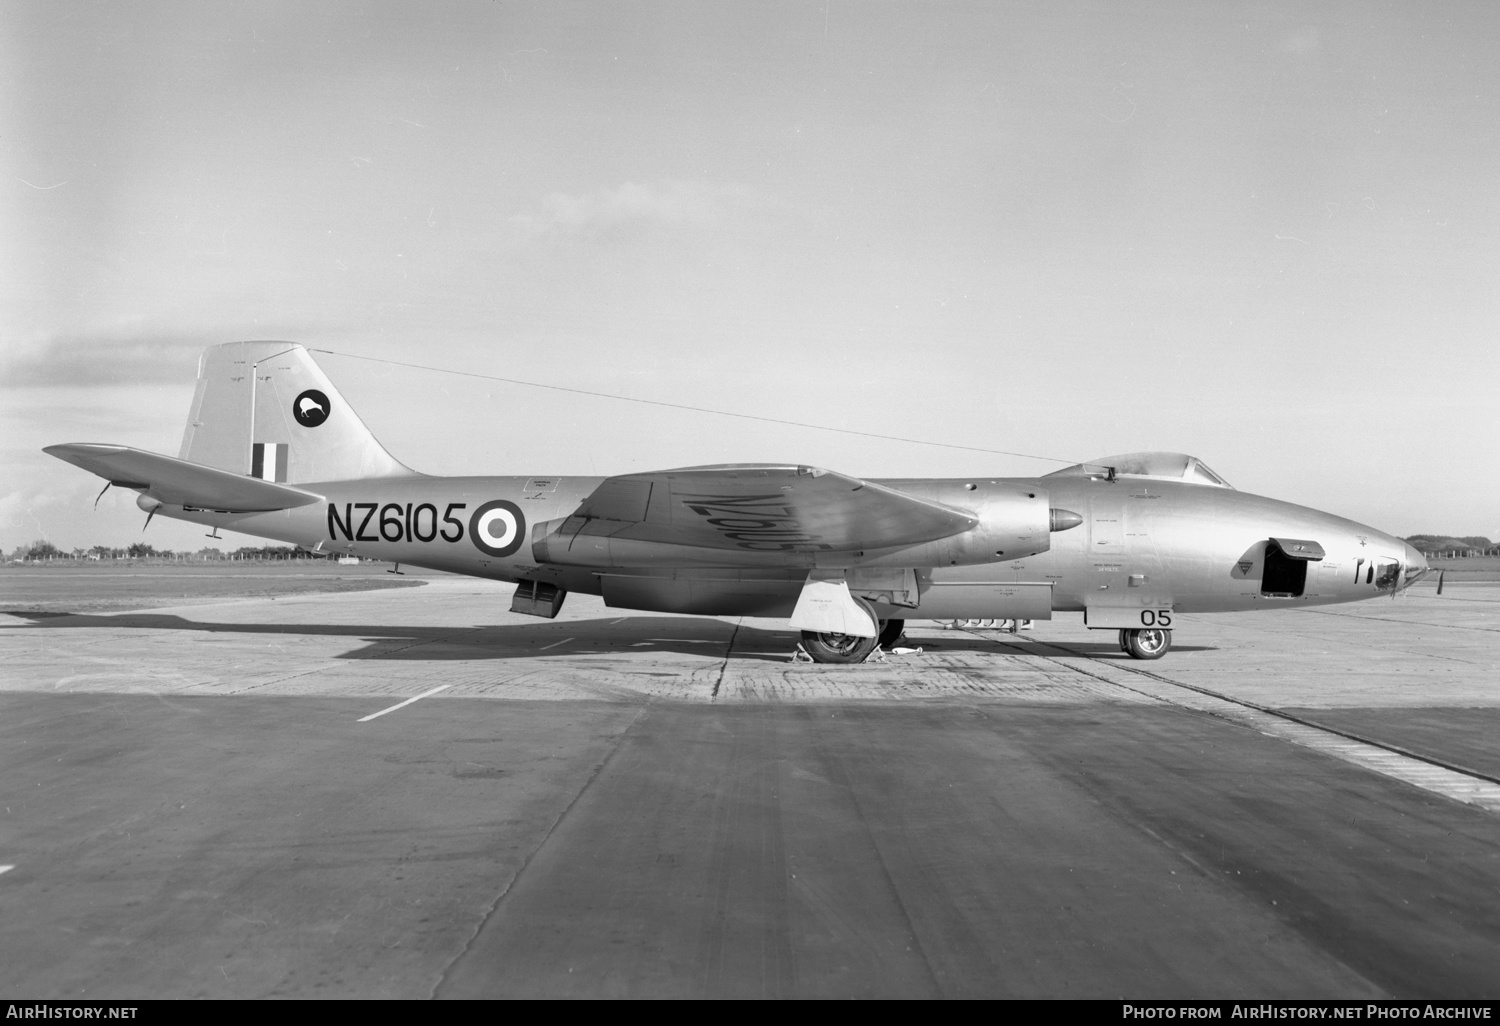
(268, 461)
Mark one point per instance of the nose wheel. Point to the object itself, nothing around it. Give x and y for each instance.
(1145, 643)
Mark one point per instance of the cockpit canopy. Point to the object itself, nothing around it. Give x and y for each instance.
(1161, 466)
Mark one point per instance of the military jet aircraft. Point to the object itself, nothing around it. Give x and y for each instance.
(1131, 542)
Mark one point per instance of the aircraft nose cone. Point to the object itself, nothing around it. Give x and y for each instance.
(1413, 567)
(1414, 559)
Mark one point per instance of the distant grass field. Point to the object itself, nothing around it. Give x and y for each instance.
(1477, 563)
(1481, 568)
(69, 587)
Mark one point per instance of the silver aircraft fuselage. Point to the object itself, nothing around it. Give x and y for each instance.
(272, 449)
(1146, 546)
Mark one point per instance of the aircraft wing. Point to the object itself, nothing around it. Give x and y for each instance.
(178, 482)
(761, 509)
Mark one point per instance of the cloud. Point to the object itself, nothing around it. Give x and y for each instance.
(33, 509)
(632, 207)
(106, 359)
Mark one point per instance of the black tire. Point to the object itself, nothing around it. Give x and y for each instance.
(837, 648)
(890, 632)
(1124, 641)
(1148, 642)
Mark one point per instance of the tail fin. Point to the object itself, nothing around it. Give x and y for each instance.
(267, 410)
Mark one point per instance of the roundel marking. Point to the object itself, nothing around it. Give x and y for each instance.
(311, 408)
(498, 527)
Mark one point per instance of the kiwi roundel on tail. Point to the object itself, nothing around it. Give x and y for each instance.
(266, 409)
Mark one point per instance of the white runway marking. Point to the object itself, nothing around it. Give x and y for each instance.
(6, 869)
(409, 701)
(564, 641)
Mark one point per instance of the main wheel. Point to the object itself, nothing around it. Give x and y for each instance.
(890, 632)
(837, 648)
(1148, 643)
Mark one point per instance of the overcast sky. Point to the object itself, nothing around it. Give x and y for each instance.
(1266, 234)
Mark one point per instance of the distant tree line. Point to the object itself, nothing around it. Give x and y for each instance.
(41, 550)
(1447, 545)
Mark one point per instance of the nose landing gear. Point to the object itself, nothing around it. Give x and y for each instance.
(1145, 643)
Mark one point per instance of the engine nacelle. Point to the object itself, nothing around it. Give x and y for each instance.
(1015, 521)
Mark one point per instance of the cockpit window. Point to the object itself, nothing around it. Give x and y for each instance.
(1198, 471)
(1163, 466)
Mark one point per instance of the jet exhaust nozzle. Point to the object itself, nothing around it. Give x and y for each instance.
(1064, 519)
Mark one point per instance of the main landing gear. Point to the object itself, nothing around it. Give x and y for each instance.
(849, 648)
(1145, 642)
(890, 632)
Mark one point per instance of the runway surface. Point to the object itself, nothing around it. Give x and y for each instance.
(202, 801)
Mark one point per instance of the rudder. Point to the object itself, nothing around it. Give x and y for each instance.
(266, 409)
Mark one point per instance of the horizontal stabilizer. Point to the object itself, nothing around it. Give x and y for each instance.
(178, 482)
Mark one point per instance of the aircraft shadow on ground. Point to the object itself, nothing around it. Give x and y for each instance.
(646, 634)
(1011, 644)
(703, 636)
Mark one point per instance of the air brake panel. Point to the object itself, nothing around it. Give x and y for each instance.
(538, 598)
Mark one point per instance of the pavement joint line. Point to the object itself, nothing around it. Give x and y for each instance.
(724, 665)
(836, 773)
(1326, 639)
(1387, 619)
(1076, 669)
(531, 855)
(266, 683)
(1314, 725)
(1433, 775)
(402, 705)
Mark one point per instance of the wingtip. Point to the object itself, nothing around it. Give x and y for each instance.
(66, 449)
